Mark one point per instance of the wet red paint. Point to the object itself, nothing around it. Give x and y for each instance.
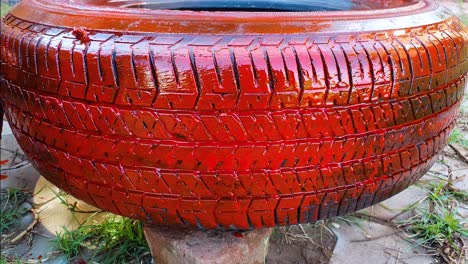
(81, 35)
(238, 235)
(3, 177)
(3, 162)
(253, 127)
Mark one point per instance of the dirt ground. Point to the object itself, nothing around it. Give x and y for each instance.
(311, 244)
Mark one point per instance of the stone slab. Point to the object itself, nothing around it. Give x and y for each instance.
(374, 243)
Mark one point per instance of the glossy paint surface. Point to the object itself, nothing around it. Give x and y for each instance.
(221, 120)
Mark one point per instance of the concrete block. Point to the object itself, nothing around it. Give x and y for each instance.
(208, 247)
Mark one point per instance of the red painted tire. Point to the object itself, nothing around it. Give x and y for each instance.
(231, 120)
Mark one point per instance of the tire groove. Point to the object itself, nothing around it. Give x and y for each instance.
(260, 143)
(323, 190)
(371, 69)
(235, 70)
(350, 74)
(327, 74)
(117, 163)
(193, 65)
(302, 114)
(411, 67)
(300, 75)
(153, 73)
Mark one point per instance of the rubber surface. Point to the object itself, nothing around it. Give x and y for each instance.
(232, 131)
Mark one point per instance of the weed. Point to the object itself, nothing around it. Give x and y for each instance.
(72, 207)
(439, 227)
(458, 138)
(11, 209)
(116, 240)
(9, 260)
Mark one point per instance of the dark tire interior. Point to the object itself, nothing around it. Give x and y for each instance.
(262, 5)
(247, 5)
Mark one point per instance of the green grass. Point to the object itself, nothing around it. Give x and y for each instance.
(11, 211)
(458, 138)
(444, 192)
(440, 222)
(439, 226)
(116, 240)
(72, 207)
(9, 260)
(4, 8)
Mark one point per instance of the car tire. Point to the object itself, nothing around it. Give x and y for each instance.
(231, 120)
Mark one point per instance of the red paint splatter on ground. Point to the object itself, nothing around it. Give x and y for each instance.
(3, 177)
(238, 235)
(3, 162)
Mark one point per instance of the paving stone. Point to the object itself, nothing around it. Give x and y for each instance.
(392, 208)
(15, 169)
(207, 247)
(6, 130)
(378, 242)
(374, 243)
